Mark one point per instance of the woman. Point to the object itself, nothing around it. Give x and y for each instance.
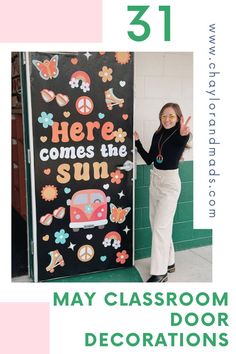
(168, 144)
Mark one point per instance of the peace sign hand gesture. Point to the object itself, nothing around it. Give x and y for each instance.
(184, 129)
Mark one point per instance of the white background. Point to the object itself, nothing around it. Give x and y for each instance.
(190, 21)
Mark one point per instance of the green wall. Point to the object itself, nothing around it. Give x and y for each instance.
(184, 235)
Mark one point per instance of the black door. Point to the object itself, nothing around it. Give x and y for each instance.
(80, 115)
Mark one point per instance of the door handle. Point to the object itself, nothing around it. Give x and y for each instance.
(127, 166)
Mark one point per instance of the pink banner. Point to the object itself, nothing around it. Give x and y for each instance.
(51, 21)
(24, 328)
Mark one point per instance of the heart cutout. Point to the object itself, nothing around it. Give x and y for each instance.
(43, 139)
(67, 190)
(89, 236)
(103, 258)
(61, 99)
(74, 61)
(46, 220)
(66, 114)
(59, 213)
(47, 95)
(125, 116)
(47, 171)
(45, 238)
(101, 115)
(106, 186)
(122, 83)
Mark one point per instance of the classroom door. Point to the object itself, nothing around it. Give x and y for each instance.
(80, 117)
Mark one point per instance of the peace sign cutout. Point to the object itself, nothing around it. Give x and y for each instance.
(85, 253)
(84, 105)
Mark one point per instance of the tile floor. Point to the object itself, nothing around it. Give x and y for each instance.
(194, 265)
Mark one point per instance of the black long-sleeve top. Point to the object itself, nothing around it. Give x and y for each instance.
(171, 151)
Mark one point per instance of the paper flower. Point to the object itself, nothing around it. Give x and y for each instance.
(105, 74)
(106, 242)
(88, 209)
(74, 83)
(85, 86)
(49, 193)
(120, 135)
(121, 257)
(46, 119)
(122, 57)
(116, 177)
(116, 244)
(61, 236)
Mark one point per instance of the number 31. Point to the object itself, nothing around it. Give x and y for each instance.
(146, 28)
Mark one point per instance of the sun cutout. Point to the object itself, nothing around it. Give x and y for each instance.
(49, 193)
(122, 57)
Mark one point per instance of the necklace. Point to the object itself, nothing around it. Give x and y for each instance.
(160, 157)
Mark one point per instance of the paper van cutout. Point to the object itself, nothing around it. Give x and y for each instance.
(88, 209)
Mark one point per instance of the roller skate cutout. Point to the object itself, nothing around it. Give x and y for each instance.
(111, 100)
(56, 259)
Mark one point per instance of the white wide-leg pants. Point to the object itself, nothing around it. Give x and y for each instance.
(165, 187)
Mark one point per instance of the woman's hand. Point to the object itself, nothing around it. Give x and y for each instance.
(136, 136)
(184, 129)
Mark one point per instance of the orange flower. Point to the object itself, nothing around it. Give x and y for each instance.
(119, 135)
(121, 257)
(122, 57)
(116, 176)
(105, 74)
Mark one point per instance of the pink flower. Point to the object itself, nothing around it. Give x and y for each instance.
(121, 257)
(116, 176)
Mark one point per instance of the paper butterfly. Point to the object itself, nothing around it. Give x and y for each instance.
(118, 215)
(48, 68)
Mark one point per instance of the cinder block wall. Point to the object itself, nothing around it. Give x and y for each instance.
(184, 235)
(161, 78)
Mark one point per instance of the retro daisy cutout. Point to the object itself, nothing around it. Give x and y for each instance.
(122, 57)
(116, 176)
(120, 135)
(61, 236)
(49, 193)
(46, 119)
(105, 74)
(122, 257)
